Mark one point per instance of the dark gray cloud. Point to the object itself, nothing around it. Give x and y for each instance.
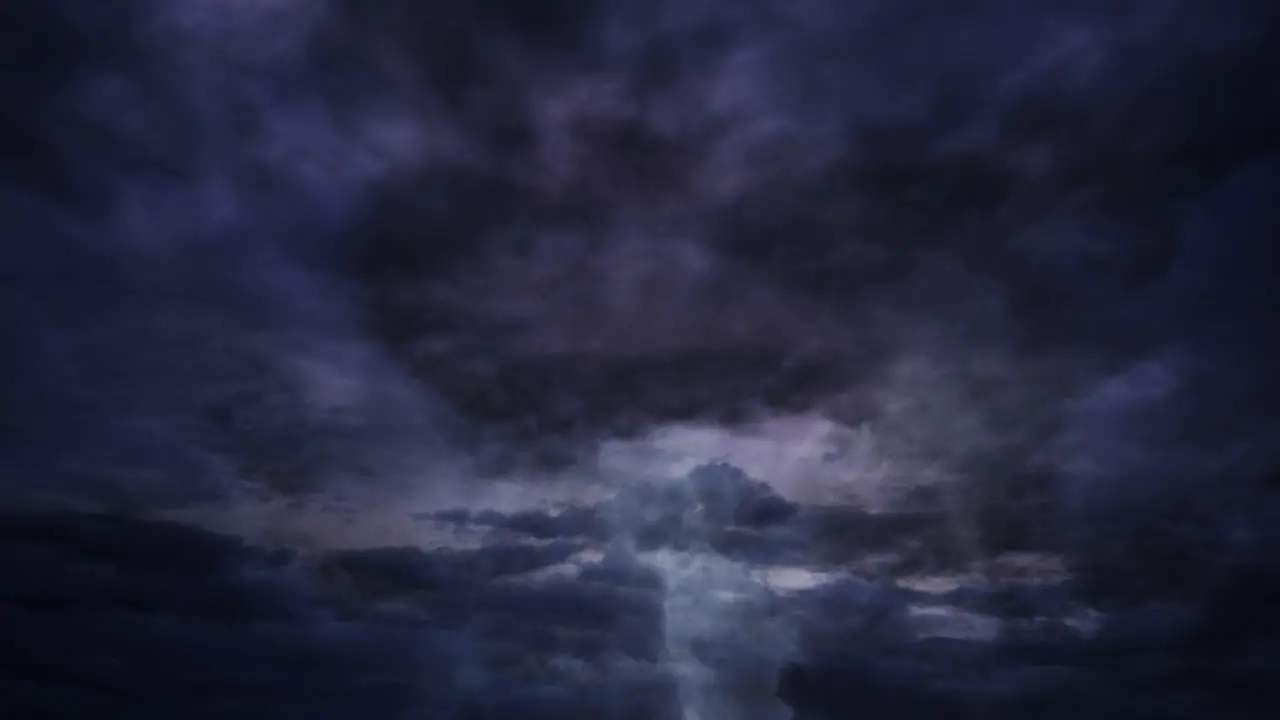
(119, 616)
(249, 240)
(1020, 252)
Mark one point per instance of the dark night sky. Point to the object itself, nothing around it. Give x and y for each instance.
(318, 246)
(201, 196)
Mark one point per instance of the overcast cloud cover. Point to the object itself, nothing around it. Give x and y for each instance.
(257, 216)
(363, 249)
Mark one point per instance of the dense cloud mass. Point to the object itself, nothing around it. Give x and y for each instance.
(235, 226)
(949, 284)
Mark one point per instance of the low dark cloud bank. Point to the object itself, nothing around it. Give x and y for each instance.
(356, 248)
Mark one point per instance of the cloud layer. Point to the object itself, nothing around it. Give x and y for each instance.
(245, 237)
